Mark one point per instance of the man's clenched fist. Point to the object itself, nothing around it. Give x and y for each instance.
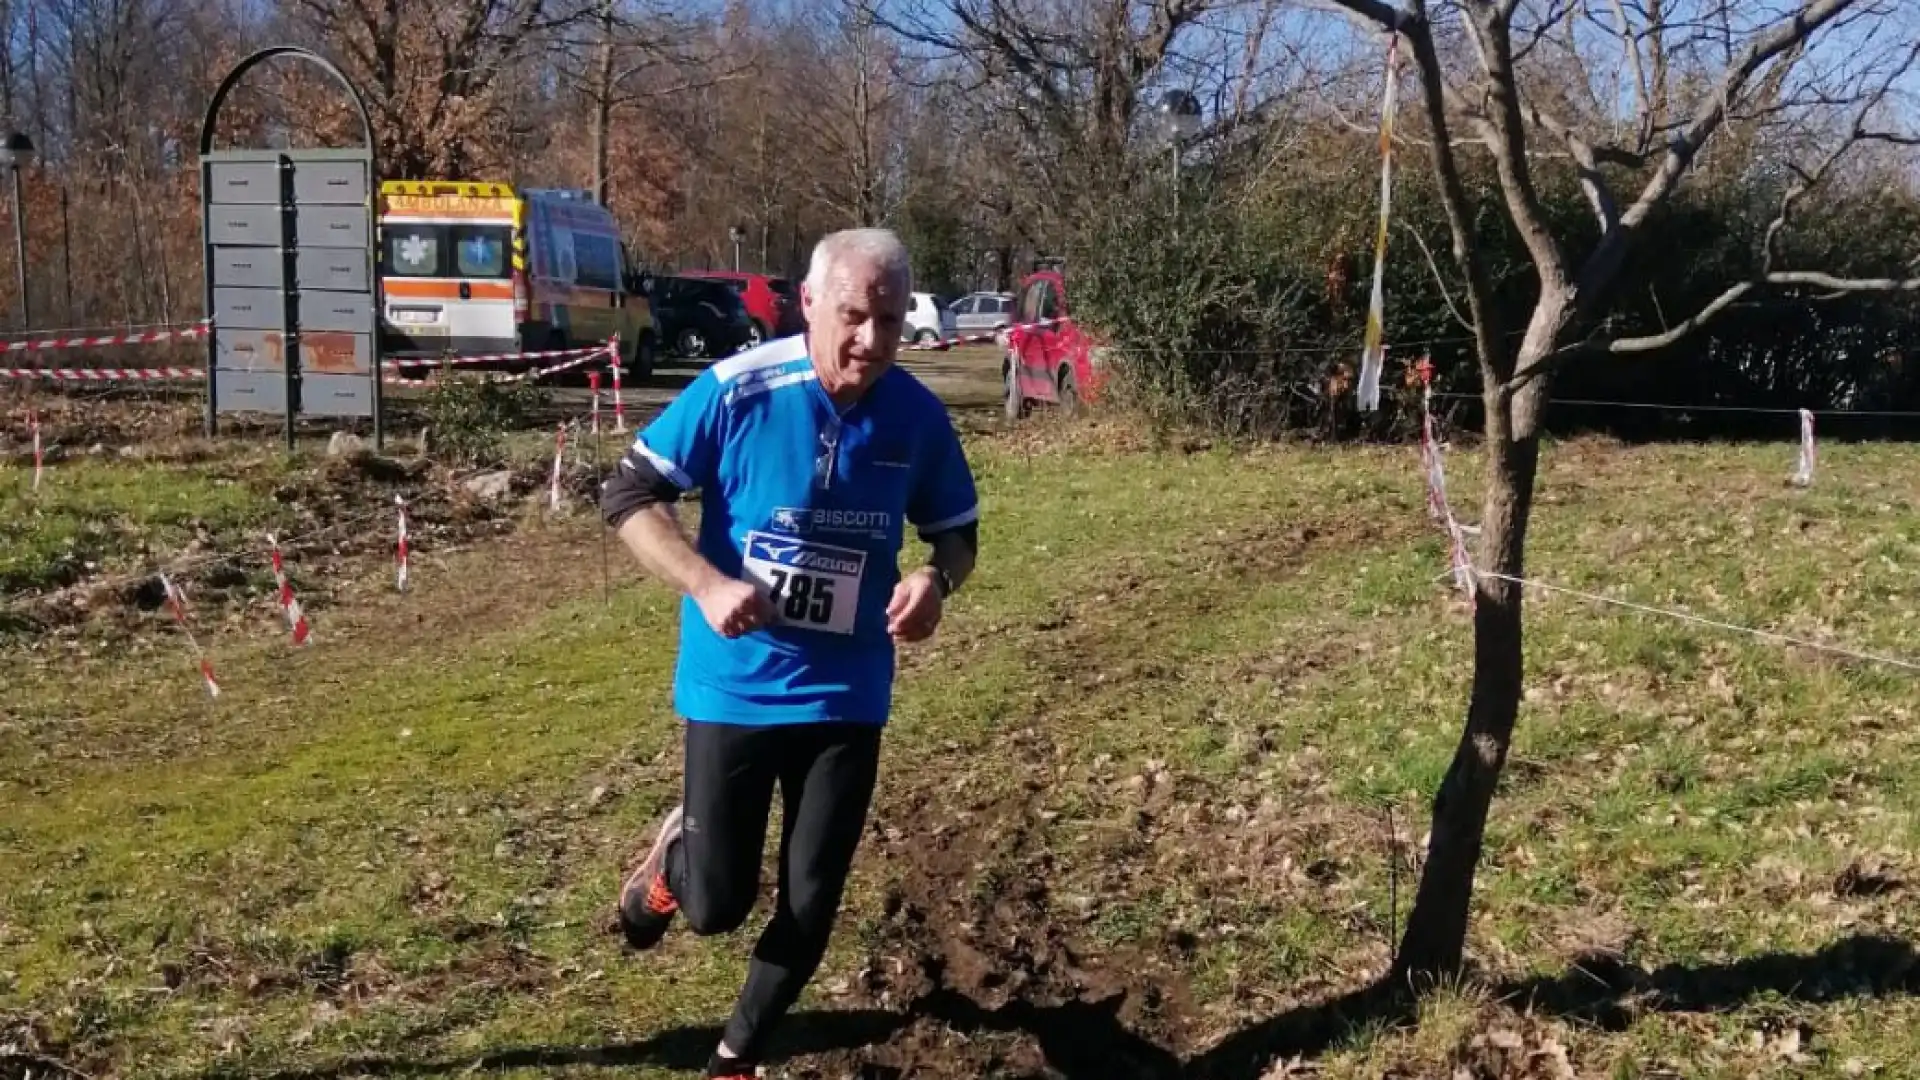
(733, 607)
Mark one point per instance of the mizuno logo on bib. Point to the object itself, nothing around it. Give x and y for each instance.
(813, 586)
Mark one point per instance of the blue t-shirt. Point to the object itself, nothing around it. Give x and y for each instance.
(809, 501)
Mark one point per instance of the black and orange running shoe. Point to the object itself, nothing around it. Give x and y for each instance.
(647, 906)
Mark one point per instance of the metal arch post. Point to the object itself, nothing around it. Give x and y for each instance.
(247, 64)
(207, 129)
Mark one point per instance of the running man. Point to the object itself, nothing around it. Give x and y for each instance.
(812, 454)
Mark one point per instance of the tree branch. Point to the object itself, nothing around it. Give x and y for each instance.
(1788, 33)
(1604, 263)
(1510, 152)
(1807, 180)
(1836, 287)
(1438, 281)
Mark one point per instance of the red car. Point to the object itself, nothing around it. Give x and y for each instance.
(1055, 363)
(773, 303)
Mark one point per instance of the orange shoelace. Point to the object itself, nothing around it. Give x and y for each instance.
(660, 899)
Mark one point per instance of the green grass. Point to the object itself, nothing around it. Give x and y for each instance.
(91, 513)
(1193, 687)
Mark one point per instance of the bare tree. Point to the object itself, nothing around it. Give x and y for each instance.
(1073, 75)
(434, 73)
(632, 54)
(1813, 76)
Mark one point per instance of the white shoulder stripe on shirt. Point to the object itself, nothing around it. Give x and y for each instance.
(664, 466)
(772, 354)
(967, 517)
(761, 386)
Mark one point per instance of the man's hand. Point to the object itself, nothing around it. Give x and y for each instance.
(733, 607)
(914, 611)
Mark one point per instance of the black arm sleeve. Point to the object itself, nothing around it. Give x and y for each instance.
(634, 486)
(969, 534)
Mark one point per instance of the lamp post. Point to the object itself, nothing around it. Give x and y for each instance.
(16, 153)
(1180, 115)
(736, 234)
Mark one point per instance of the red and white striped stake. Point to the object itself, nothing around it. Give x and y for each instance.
(559, 450)
(619, 405)
(296, 618)
(39, 458)
(400, 556)
(593, 384)
(1803, 469)
(1458, 559)
(177, 603)
(1429, 446)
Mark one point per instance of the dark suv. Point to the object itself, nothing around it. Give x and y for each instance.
(696, 317)
(773, 303)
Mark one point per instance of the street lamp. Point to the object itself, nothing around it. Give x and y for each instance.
(1180, 116)
(16, 153)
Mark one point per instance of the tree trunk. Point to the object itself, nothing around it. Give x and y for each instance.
(603, 104)
(1435, 941)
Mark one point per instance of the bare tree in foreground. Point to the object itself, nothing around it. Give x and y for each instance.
(1818, 74)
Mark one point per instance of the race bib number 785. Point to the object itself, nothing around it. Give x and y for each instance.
(816, 586)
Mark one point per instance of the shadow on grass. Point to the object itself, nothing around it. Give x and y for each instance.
(803, 1033)
(1087, 1040)
(1605, 994)
(1609, 994)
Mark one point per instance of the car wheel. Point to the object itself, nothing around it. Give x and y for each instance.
(756, 333)
(1015, 404)
(1069, 393)
(691, 343)
(925, 337)
(640, 363)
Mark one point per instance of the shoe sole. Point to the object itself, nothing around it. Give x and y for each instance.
(642, 876)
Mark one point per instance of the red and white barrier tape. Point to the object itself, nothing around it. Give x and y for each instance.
(145, 337)
(1803, 469)
(993, 336)
(530, 375)
(1460, 562)
(406, 362)
(103, 374)
(400, 553)
(541, 373)
(39, 456)
(296, 617)
(177, 603)
(1430, 447)
(1373, 353)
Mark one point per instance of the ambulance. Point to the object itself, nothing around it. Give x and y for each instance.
(479, 268)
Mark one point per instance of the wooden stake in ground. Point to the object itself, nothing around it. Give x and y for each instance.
(559, 462)
(599, 487)
(400, 551)
(39, 458)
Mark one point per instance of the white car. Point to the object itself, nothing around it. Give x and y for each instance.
(982, 313)
(927, 320)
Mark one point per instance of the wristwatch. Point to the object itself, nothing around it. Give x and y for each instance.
(942, 580)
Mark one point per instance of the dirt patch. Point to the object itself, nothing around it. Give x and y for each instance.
(78, 424)
(334, 520)
(981, 947)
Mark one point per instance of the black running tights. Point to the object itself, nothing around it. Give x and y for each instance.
(826, 773)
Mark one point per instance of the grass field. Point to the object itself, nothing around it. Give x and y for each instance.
(1139, 808)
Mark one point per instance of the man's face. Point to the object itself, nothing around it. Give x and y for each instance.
(854, 324)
